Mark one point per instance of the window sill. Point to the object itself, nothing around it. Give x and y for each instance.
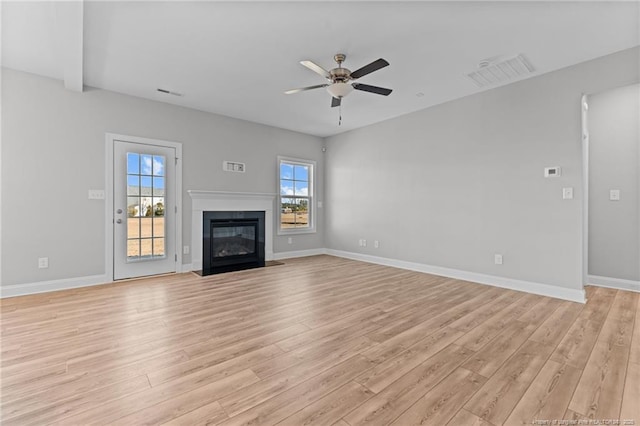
(296, 231)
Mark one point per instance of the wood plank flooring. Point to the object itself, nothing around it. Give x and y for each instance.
(317, 341)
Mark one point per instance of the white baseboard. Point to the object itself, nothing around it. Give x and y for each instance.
(573, 295)
(53, 285)
(298, 253)
(63, 284)
(616, 283)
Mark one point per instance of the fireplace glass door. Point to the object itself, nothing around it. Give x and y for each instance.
(232, 239)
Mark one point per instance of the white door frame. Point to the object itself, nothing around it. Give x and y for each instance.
(110, 138)
(584, 107)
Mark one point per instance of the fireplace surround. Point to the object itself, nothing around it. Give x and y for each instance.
(209, 201)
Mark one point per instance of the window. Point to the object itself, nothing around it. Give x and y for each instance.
(145, 206)
(296, 195)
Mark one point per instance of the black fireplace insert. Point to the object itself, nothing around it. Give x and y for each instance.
(232, 241)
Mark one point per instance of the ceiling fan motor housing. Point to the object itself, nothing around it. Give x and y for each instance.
(340, 75)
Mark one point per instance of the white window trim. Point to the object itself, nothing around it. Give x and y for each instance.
(312, 197)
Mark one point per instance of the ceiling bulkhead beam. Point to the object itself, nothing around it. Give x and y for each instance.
(69, 28)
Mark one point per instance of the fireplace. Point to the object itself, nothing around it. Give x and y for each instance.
(223, 201)
(232, 241)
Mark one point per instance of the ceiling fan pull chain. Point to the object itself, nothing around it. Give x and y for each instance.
(340, 116)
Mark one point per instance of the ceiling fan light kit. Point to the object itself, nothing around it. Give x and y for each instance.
(339, 90)
(341, 80)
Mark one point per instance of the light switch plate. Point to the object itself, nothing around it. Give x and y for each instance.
(614, 195)
(96, 194)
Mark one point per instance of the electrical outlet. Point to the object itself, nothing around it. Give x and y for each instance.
(567, 193)
(614, 195)
(364, 243)
(376, 244)
(498, 259)
(43, 262)
(289, 240)
(185, 250)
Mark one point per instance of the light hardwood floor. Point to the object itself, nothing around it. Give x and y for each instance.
(319, 340)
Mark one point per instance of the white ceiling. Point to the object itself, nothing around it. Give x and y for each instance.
(237, 58)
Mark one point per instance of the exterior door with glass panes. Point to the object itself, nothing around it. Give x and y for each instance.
(144, 210)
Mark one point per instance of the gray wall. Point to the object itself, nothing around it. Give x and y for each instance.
(53, 144)
(454, 184)
(614, 226)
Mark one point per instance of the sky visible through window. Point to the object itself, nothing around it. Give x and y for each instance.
(145, 165)
(294, 180)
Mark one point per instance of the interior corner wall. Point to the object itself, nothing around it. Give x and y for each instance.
(452, 185)
(614, 163)
(53, 152)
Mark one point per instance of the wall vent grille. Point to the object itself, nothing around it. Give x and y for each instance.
(232, 166)
(491, 73)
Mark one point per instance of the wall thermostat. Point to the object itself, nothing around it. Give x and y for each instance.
(551, 171)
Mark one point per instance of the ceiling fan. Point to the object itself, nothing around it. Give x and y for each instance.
(341, 80)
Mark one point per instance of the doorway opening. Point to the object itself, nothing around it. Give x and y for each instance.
(611, 180)
(143, 207)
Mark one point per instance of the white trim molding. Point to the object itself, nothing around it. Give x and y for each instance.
(616, 283)
(53, 285)
(202, 201)
(573, 295)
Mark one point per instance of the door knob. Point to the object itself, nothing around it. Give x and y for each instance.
(119, 211)
(119, 221)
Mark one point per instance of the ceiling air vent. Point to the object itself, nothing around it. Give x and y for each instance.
(499, 71)
(169, 92)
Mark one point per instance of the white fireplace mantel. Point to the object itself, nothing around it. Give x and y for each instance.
(202, 201)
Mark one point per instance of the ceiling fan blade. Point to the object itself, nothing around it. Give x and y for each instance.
(335, 102)
(316, 68)
(302, 89)
(373, 89)
(368, 69)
